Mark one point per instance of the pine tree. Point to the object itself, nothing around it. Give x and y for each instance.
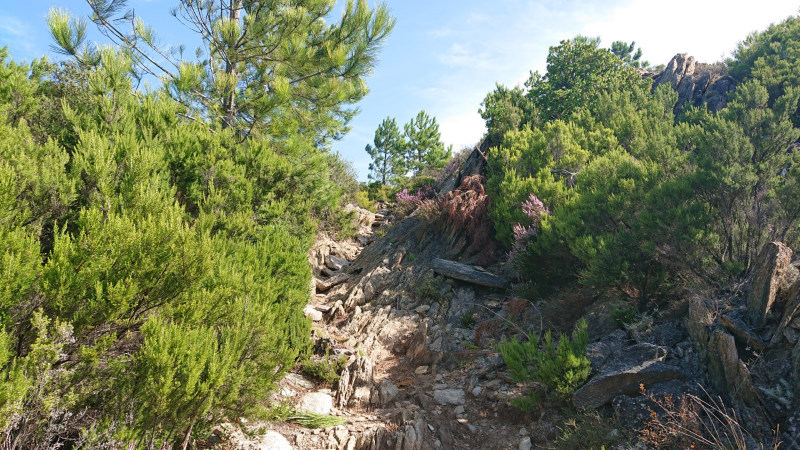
(424, 148)
(387, 153)
(626, 53)
(275, 68)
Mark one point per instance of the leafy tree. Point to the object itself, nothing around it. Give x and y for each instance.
(626, 53)
(578, 70)
(770, 56)
(271, 68)
(387, 152)
(504, 110)
(424, 148)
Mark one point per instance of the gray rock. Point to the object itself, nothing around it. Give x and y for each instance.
(273, 440)
(459, 410)
(771, 265)
(624, 372)
(726, 371)
(411, 436)
(525, 443)
(598, 352)
(316, 402)
(476, 391)
(335, 263)
(312, 313)
(385, 393)
(449, 396)
(355, 383)
(298, 381)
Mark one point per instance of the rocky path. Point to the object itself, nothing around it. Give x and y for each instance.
(417, 376)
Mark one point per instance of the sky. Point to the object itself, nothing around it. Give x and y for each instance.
(444, 56)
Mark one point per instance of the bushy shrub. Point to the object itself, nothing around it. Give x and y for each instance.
(562, 367)
(153, 271)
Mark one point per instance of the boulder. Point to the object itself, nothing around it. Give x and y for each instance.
(384, 393)
(624, 372)
(316, 402)
(410, 437)
(771, 266)
(449, 396)
(726, 371)
(273, 440)
(335, 263)
(312, 313)
(355, 383)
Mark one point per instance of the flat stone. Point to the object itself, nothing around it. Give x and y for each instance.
(624, 372)
(298, 381)
(449, 396)
(525, 443)
(422, 309)
(421, 370)
(316, 402)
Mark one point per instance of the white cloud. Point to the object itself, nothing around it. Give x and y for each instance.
(461, 130)
(709, 33)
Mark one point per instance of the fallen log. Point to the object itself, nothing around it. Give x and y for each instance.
(468, 273)
(324, 285)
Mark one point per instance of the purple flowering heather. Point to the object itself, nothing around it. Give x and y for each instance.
(535, 210)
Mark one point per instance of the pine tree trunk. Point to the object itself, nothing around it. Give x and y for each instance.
(229, 102)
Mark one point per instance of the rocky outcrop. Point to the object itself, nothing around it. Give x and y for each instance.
(624, 373)
(696, 83)
(770, 273)
(355, 383)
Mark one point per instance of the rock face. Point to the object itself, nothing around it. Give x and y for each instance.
(355, 383)
(624, 372)
(772, 266)
(696, 84)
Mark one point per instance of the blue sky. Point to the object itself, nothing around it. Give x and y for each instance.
(445, 55)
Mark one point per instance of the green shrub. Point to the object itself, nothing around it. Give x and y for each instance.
(325, 368)
(154, 271)
(563, 368)
(622, 314)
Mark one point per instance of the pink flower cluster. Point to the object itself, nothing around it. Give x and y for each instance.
(409, 202)
(535, 210)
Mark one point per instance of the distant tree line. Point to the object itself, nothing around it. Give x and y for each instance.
(396, 155)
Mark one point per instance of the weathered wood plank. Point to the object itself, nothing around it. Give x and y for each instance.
(468, 273)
